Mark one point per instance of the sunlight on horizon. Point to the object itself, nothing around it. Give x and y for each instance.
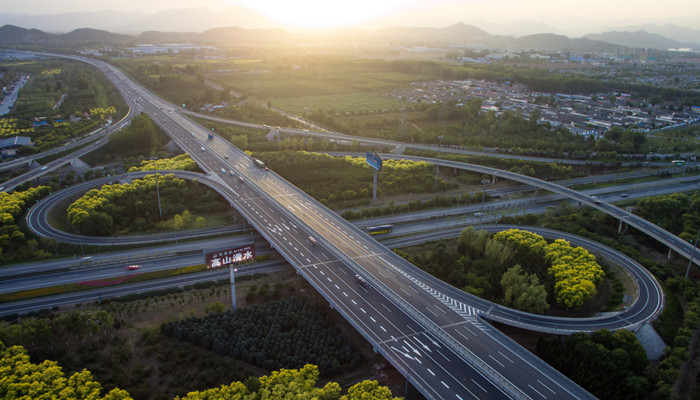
(324, 13)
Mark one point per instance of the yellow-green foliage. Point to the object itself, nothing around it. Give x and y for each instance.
(183, 162)
(102, 112)
(22, 379)
(523, 239)
(8, 128)
(576, 272)
(89, 209)
(12, 204)
(53, 71)
(293, 384)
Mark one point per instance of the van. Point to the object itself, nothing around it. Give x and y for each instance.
(203, 149)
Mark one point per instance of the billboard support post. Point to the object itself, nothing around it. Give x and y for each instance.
(374, 192)
(233, 286)
(374, 161)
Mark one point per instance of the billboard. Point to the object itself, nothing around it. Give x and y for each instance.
(374, 161)
(226, 257)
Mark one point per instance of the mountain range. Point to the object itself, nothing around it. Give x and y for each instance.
(458, 34)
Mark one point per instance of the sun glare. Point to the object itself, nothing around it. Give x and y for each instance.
(322, 13)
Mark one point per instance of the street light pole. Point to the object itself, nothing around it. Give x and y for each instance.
(160, 209)
(437, 166)
(483, 194)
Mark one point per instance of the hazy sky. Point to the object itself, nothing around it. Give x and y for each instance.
(409, 12)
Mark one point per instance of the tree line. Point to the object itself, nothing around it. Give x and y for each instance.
(348, 180)
(23, 379)
(14, 245)
(287, 333)
(610, 365)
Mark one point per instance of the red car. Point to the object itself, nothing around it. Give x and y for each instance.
(312, 240)
(133, 267)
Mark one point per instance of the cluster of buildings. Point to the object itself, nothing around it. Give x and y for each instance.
(583, 114)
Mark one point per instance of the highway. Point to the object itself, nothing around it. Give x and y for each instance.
(430, 331)
(446, 353)
(91, 141)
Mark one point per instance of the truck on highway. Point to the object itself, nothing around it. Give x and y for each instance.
(258, 163)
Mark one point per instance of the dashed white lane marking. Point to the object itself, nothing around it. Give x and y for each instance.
(346, 295)
(431, 372)
(536, 391)
(337, 287)
(498, 362)
(480, 387)
(462, 335)
(363, 310)
(443, 382)
(353, 302)
(373, 320)
(540, 382)
(382, 328)
(506, 357)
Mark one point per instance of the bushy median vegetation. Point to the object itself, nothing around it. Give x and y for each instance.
(509, 267)
(348, 180)
(134, 207)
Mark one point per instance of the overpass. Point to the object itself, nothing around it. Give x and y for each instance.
(438, 343)
(421, 325)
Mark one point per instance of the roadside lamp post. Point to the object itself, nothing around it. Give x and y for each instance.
(437, 166)
(160, 209)
(483, 194)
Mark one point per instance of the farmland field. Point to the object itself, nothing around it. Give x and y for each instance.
(342, 103)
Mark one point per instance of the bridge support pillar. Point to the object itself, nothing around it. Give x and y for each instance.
(493, 179)
(622, 227)
(670, 254)
(579, 206)
(537, 190)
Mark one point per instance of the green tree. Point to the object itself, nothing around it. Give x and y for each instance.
(523, 291)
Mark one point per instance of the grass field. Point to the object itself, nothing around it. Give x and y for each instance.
(348, 102)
